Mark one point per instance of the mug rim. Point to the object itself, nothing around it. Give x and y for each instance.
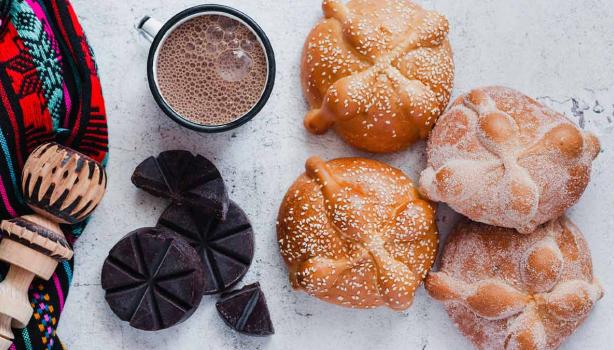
(202, 9)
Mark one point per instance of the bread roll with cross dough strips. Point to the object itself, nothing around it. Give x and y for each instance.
(355, 232)
(501, 158)
(378, 72)
(516, 292)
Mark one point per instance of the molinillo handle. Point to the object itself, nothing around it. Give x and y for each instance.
(149, 27)
(63, 187)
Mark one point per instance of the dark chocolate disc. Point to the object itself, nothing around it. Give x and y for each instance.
(153, 279)
(186, 179)
(226, 247)
(245, 310)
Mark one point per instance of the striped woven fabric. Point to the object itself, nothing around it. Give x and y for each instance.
(49, 90)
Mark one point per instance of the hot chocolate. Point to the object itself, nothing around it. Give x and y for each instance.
(212, 69)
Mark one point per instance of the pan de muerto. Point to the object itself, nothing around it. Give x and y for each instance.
(379, 72)
(516, 292)
(354, 232)
(501, 158)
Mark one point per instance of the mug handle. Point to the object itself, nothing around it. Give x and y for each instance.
(149, 27)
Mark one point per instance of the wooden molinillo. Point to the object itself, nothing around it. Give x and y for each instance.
(63, 187)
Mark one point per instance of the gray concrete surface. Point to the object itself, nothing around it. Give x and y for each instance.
(560, 51)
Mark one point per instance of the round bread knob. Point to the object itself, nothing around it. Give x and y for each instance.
(62, 184)
(567, 139)
(498, 128)
(447, 182)
(317, 122)
(542, 267)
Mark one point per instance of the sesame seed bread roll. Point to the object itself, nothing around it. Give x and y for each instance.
(501, 158)
(378, 72)
(516, 292)
(355, 232)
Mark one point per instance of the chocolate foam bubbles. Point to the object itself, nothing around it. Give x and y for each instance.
(212, 69)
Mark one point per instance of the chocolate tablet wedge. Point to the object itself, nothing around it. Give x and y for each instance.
(245, 310)
(153, 279)
(186, 179)
(226, 247)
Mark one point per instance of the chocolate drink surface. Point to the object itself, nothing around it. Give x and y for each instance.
(212, 69)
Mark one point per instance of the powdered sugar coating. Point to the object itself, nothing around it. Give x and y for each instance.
(488, 286)
(355, 232)
(379, 72)
(501, 158)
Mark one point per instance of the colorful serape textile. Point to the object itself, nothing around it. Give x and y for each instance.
(49, 90)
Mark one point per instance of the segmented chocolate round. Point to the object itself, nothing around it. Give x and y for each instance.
(153, 279)
(226, 247)
(63, 184)
(186, 179)
(245, 310)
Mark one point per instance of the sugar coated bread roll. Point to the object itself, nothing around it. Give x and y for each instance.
(355, 232)
(379, 72)
(516, 292)
(501, 158)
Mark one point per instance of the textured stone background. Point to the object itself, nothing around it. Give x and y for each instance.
(559, 51)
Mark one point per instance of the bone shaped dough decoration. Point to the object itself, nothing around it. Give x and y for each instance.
(355, 232)
(516, 292)
(503, 159)
(379, 72)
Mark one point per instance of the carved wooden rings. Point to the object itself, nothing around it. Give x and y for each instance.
(62, 186)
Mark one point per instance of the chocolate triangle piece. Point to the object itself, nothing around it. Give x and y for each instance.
(245, 310)
(225, 247)
(153, 279)
(186, 179)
